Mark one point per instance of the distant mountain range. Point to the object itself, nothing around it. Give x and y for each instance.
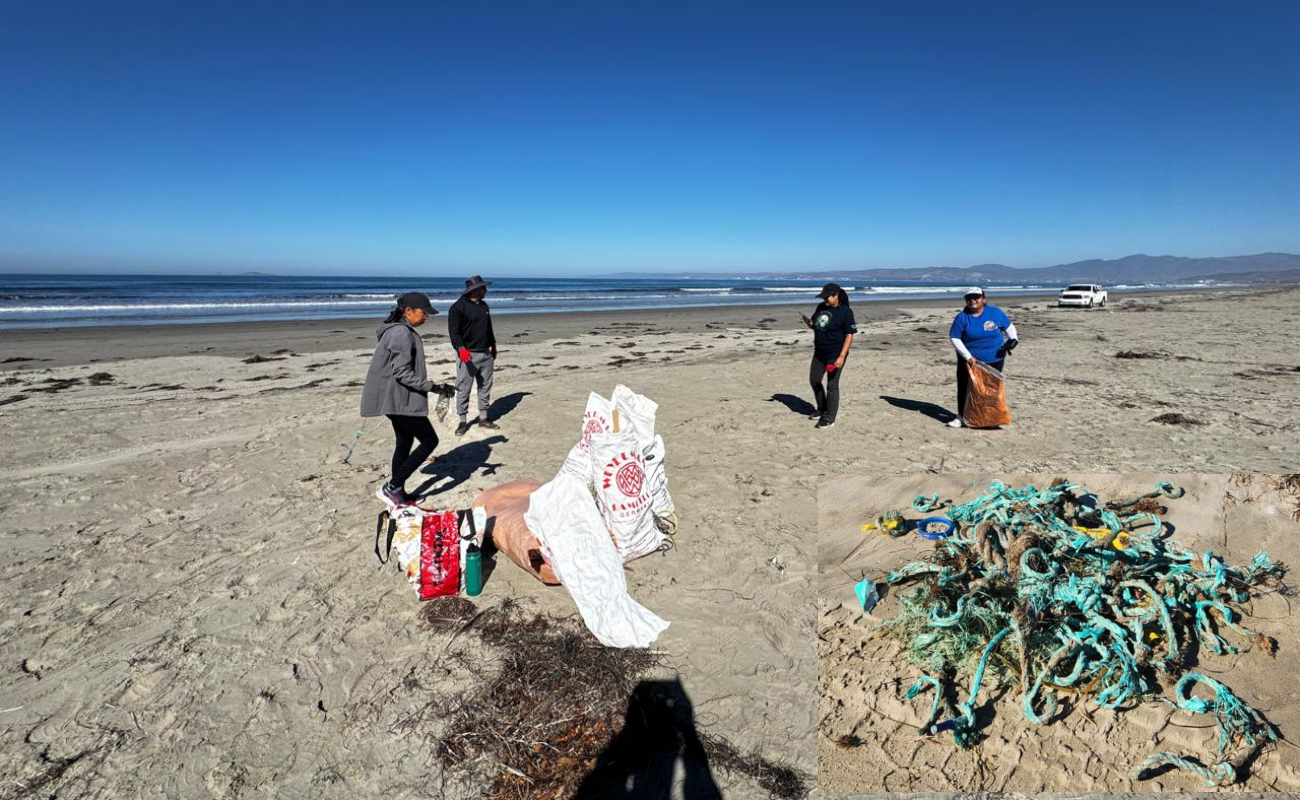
(1259, 268)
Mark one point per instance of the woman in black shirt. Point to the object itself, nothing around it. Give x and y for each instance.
(833, 330)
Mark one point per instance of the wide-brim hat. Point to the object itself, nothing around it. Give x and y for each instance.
(473, 283)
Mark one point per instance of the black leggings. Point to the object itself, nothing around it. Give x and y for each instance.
(963, 380)
(407, 430)
(828, 399)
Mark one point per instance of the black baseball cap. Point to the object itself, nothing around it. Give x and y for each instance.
(830, 289)
(418, 300)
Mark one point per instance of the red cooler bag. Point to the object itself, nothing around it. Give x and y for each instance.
(439, 555)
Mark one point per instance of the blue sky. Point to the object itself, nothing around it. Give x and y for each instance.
(563, 138)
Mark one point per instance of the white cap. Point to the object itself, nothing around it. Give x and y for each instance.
(974, 290)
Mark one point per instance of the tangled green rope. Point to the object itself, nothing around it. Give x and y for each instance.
(1052, 590)
(923, 503)
(1241, 729)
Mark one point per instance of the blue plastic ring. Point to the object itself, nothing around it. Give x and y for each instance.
(920, 527)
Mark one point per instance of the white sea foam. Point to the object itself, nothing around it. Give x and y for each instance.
(549, 297)
(433, 297)
(913, 289)
(102, 307)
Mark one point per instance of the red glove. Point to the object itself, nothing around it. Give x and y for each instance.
(464, 355)
(830, 367)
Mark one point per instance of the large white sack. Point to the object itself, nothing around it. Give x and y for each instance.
(597, 419)
(618, 475)
(565, 520)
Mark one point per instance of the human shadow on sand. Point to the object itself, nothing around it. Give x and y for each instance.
(458, 464)
(796, 404)
(643, 760)
(504, 405)
(929, 409)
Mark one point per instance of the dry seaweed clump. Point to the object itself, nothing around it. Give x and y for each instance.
(558, 715)
(1289, 485)
(1053, 592)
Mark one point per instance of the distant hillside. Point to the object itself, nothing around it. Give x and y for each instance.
(1262, 267)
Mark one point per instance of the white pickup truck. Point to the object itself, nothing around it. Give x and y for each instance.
(1086, 295)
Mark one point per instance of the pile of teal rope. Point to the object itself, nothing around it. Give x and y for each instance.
(1055, 592)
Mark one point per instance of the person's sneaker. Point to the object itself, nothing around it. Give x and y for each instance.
(488, 424)
(956, 422)
(393, 495)
(824, 424)
(462, 429)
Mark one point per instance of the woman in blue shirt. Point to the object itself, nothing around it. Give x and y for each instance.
(977, 333)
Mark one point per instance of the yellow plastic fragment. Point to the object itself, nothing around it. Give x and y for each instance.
(890, 524)
(1121, 540)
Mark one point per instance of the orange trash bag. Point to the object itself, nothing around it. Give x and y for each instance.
(986, 402)
(505, 506)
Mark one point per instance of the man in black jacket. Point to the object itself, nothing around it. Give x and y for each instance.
(470, 327)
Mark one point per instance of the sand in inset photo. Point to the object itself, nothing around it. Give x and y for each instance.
(1042, 593)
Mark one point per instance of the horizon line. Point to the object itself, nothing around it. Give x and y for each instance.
(677, 272)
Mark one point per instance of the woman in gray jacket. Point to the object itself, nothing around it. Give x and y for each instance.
(398, 386)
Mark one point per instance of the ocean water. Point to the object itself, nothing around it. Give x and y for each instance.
(48, 301)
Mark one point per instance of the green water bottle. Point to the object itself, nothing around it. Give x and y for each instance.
(473, 571)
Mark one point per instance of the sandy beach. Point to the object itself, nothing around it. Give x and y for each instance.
(196, 609)
(868, 740)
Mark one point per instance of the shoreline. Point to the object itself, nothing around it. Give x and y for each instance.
(30, 348)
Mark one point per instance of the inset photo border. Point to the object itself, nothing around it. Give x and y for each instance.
(1127, 632)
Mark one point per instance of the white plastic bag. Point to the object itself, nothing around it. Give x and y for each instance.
(567, 524)
(409, 523)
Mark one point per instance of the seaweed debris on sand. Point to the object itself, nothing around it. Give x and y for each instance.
(556, 714)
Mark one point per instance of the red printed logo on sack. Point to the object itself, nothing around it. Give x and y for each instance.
(592, 424)
(626, 472)
(629, 479)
